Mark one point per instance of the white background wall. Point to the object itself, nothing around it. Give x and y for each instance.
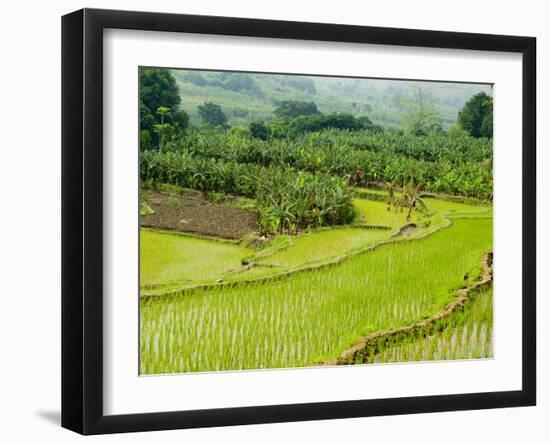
(30, 218)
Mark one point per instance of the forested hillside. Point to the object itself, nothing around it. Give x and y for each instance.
(250, 97)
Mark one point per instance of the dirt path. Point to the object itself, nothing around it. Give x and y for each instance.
(369, 344)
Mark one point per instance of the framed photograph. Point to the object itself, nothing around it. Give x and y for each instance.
(269, 221)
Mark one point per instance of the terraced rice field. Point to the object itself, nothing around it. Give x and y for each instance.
(315, 233)
(170, 260)
(376, 213)
(310, 316)
(466, 335)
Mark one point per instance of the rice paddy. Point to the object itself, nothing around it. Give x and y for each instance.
(376, 213)
(170, 260)
(308, 317)
(447, 207)
(467, 334)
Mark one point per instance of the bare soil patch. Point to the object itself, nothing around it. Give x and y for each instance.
(191, 212)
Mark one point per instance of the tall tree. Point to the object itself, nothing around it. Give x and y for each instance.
(259, 130)
(421, 113)
(212, 114)
(294, 108)
(163, 129)
(158, 90)
(476, 116)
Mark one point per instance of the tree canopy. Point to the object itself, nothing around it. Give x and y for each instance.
(259, 130)
(291, 127)
(212, 114)
(158, 88)
(294, 108)
(476, 118)
(159, 101)
(421, 113)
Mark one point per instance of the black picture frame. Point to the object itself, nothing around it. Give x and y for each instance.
(82, 218)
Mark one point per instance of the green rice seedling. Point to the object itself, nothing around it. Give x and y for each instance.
(376, 213)
(466, 334)
(454, 208)
(323, 245)
(290, 253)
(173, 260)
(309, 317)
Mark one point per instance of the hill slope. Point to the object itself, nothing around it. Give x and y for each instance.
(248, 97)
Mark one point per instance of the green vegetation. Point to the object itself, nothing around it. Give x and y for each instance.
(284, 253)
(212, 114)
(466, 334)
(454, 208)
(259, 130)
(421, 114)
(173, 260)
(286, 199)
(301, 124)
(259, 94)
(174, 202)
(372, 207)
(440, 162)
(309, 317)
(161, 120)
(376, 213)
(293, 108)
(322, 246)
(476, 117)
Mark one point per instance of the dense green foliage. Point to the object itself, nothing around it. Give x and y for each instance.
(476, 117)
(159, 102)
(157, 88)
(301, 165)
(259, 130)
(293, 108)
(440, 162)
(212, 114)
(293, 127)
